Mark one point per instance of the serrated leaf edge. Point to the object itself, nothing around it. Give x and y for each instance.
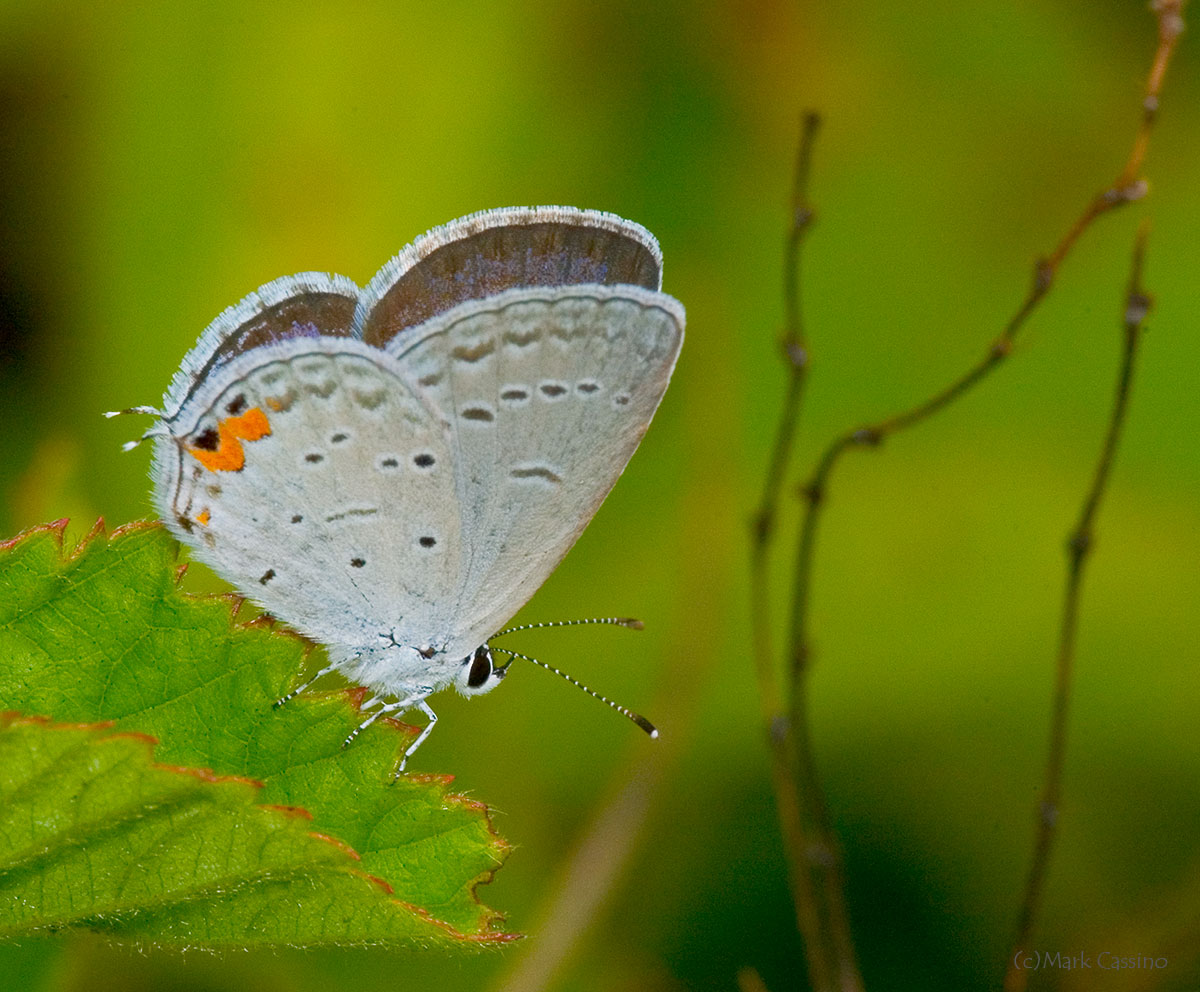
(488, 917)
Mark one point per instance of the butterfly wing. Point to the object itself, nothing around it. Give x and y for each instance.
(548, 392)
(487, 253)
(312, 477)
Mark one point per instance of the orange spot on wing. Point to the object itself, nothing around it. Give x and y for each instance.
(251, 425)
(203, 517)
(229, 455)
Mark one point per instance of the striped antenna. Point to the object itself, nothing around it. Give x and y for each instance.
(133, 410)
(641, 721)
(151, 432)
(612, 621)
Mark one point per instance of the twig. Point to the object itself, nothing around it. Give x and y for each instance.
(1079, 545)
(793, 801)
(795, 350)
(792, 735)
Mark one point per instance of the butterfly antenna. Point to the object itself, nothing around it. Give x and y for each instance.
(612, 621)
(640, 720)
(151, 432)
(152, 411)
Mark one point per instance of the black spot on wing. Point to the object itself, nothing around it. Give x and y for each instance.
(536, 472)
(207, 440)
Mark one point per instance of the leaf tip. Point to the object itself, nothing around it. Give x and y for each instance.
(55, 529)
(487, 936)
(98, 531)
(356, 695)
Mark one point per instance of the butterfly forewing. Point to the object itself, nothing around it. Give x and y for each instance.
(485, 254)
(308, 304)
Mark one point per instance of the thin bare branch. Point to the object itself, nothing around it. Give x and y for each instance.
(795, 350)
(791, 802)
(1079, 545)
(793, 732)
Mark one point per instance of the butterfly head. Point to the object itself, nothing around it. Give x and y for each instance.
(478, 673)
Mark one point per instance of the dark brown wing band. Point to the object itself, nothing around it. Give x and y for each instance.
(508, 257)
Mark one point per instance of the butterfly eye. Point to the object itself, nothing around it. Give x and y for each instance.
(478, 673)
(481, 668)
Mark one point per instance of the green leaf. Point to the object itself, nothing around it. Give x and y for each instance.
(92, 831)
(103, 635)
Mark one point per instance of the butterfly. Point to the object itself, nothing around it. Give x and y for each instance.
(393, 471)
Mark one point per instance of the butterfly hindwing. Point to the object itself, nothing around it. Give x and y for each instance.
(549, 393)
(339, 515)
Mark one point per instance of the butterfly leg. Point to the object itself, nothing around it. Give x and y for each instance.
(383, 710)
(432, 717)
(299, 689)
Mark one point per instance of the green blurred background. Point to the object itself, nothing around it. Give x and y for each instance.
(159, 161)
